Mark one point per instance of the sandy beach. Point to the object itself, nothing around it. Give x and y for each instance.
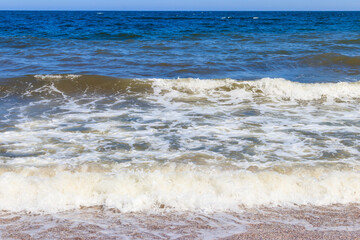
(331, 222)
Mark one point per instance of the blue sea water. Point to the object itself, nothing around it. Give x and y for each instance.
(299, 46)
(178, 124)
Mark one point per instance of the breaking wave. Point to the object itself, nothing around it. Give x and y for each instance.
(271, 88)
(176, 144)
(172, 187)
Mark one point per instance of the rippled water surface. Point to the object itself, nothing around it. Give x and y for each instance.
(301, 46)
(206, 115)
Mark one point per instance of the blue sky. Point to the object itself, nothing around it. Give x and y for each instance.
(180, 5)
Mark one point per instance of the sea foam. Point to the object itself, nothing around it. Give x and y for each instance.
(173, 187)
(179, 144)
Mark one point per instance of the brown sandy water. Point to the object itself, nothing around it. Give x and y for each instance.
(299, 222)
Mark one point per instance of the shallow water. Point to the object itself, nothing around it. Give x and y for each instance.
(188, 144)
(189, 113)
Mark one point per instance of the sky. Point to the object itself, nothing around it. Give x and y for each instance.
(186, 5)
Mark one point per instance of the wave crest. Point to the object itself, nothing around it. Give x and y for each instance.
(277, 89)
(174, 187)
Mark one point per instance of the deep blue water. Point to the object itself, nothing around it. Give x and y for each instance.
(299, 46)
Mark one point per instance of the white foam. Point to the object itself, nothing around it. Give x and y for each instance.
(56, 76)
(185, 146)
(275, 88)
(281, 88)
(177, 187)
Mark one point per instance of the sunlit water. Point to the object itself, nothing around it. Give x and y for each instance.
(189, 113)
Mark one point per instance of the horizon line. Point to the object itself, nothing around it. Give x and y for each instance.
(97, 10)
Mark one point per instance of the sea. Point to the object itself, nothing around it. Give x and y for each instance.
(166, 125)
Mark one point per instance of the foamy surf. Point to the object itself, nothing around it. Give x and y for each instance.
(182, 145)
(174, 187)
(56, 76)
(99, 139)
(274, 88)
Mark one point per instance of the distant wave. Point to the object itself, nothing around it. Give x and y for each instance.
(349, 41)
(172, 18)
(113, 36)
(331, 59)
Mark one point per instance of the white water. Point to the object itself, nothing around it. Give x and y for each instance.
(174, 187)
(190, 145)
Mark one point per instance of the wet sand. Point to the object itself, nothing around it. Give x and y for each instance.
(331, 222)
(283, 231)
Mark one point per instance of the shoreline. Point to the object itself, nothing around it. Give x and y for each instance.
(279, 231)
(299, 222)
